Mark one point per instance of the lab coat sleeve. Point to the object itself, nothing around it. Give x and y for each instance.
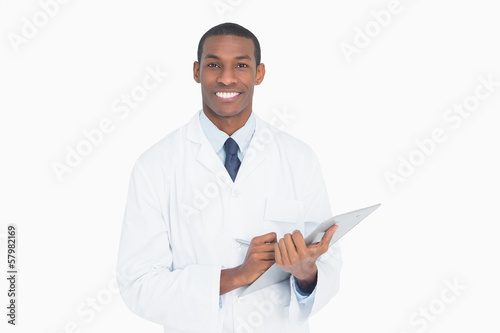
(185, 299)
(317, 209)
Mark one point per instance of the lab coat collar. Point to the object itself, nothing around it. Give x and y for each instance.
(254, 156)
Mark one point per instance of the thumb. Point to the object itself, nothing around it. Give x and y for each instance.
(327, 237)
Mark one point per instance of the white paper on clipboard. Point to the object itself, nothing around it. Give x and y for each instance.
(345, 221)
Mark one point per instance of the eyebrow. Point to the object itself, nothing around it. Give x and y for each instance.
(213, 56)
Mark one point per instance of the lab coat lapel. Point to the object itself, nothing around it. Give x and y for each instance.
(205, 153)
(258, 150)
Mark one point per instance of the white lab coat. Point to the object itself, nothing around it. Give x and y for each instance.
(184, 213)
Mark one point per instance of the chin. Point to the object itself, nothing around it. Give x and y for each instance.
(226, 111)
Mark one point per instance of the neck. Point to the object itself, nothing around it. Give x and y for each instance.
(228, 124)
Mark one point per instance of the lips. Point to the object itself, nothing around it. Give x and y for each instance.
(227, 95)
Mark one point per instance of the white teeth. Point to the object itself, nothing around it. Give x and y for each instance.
(227, 94)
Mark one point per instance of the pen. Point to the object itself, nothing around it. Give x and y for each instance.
(243, 242)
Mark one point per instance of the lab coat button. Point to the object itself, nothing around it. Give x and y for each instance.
(241, 300)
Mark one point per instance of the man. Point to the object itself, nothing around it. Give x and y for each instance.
(224, 176)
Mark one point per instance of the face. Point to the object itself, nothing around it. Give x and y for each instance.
(228, 74)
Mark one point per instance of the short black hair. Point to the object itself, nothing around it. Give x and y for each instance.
(230, 29)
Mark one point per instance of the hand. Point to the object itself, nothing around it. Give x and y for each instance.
(260, 256)
(293, 256)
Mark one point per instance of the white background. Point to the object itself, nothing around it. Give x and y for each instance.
(360, 117)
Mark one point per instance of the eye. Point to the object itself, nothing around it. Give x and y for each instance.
(213, 65)
(242, 65)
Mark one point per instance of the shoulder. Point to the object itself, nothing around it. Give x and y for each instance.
(286, 143)
(162, 155)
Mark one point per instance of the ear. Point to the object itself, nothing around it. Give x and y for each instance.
(196, 71)
(261, 72)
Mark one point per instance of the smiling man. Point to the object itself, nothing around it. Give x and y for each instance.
(226, 175)
(228, 70)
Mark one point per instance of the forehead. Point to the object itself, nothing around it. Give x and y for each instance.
(228, 47)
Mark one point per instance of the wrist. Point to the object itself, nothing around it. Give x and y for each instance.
(238, 278)
(230, 280)
(307, 282)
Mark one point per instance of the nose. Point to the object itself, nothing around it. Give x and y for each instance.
(226, 76)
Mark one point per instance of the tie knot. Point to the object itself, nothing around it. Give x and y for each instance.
(231, 146)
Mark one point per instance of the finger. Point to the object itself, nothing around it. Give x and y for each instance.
(277, 254)
(263, 247)
(267, 238)
(284, 252)
(300, 244)
(291, 249)
(266, 256)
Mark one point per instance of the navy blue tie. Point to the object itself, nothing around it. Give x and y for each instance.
(232, 163)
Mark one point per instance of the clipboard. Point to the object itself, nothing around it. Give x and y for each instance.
(345, 221)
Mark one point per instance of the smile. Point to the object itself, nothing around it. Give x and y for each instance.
(227, 95)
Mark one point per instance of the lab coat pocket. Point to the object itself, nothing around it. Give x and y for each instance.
(283, 215)
(282, 210)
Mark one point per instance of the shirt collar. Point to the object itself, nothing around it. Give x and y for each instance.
(217, 138)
